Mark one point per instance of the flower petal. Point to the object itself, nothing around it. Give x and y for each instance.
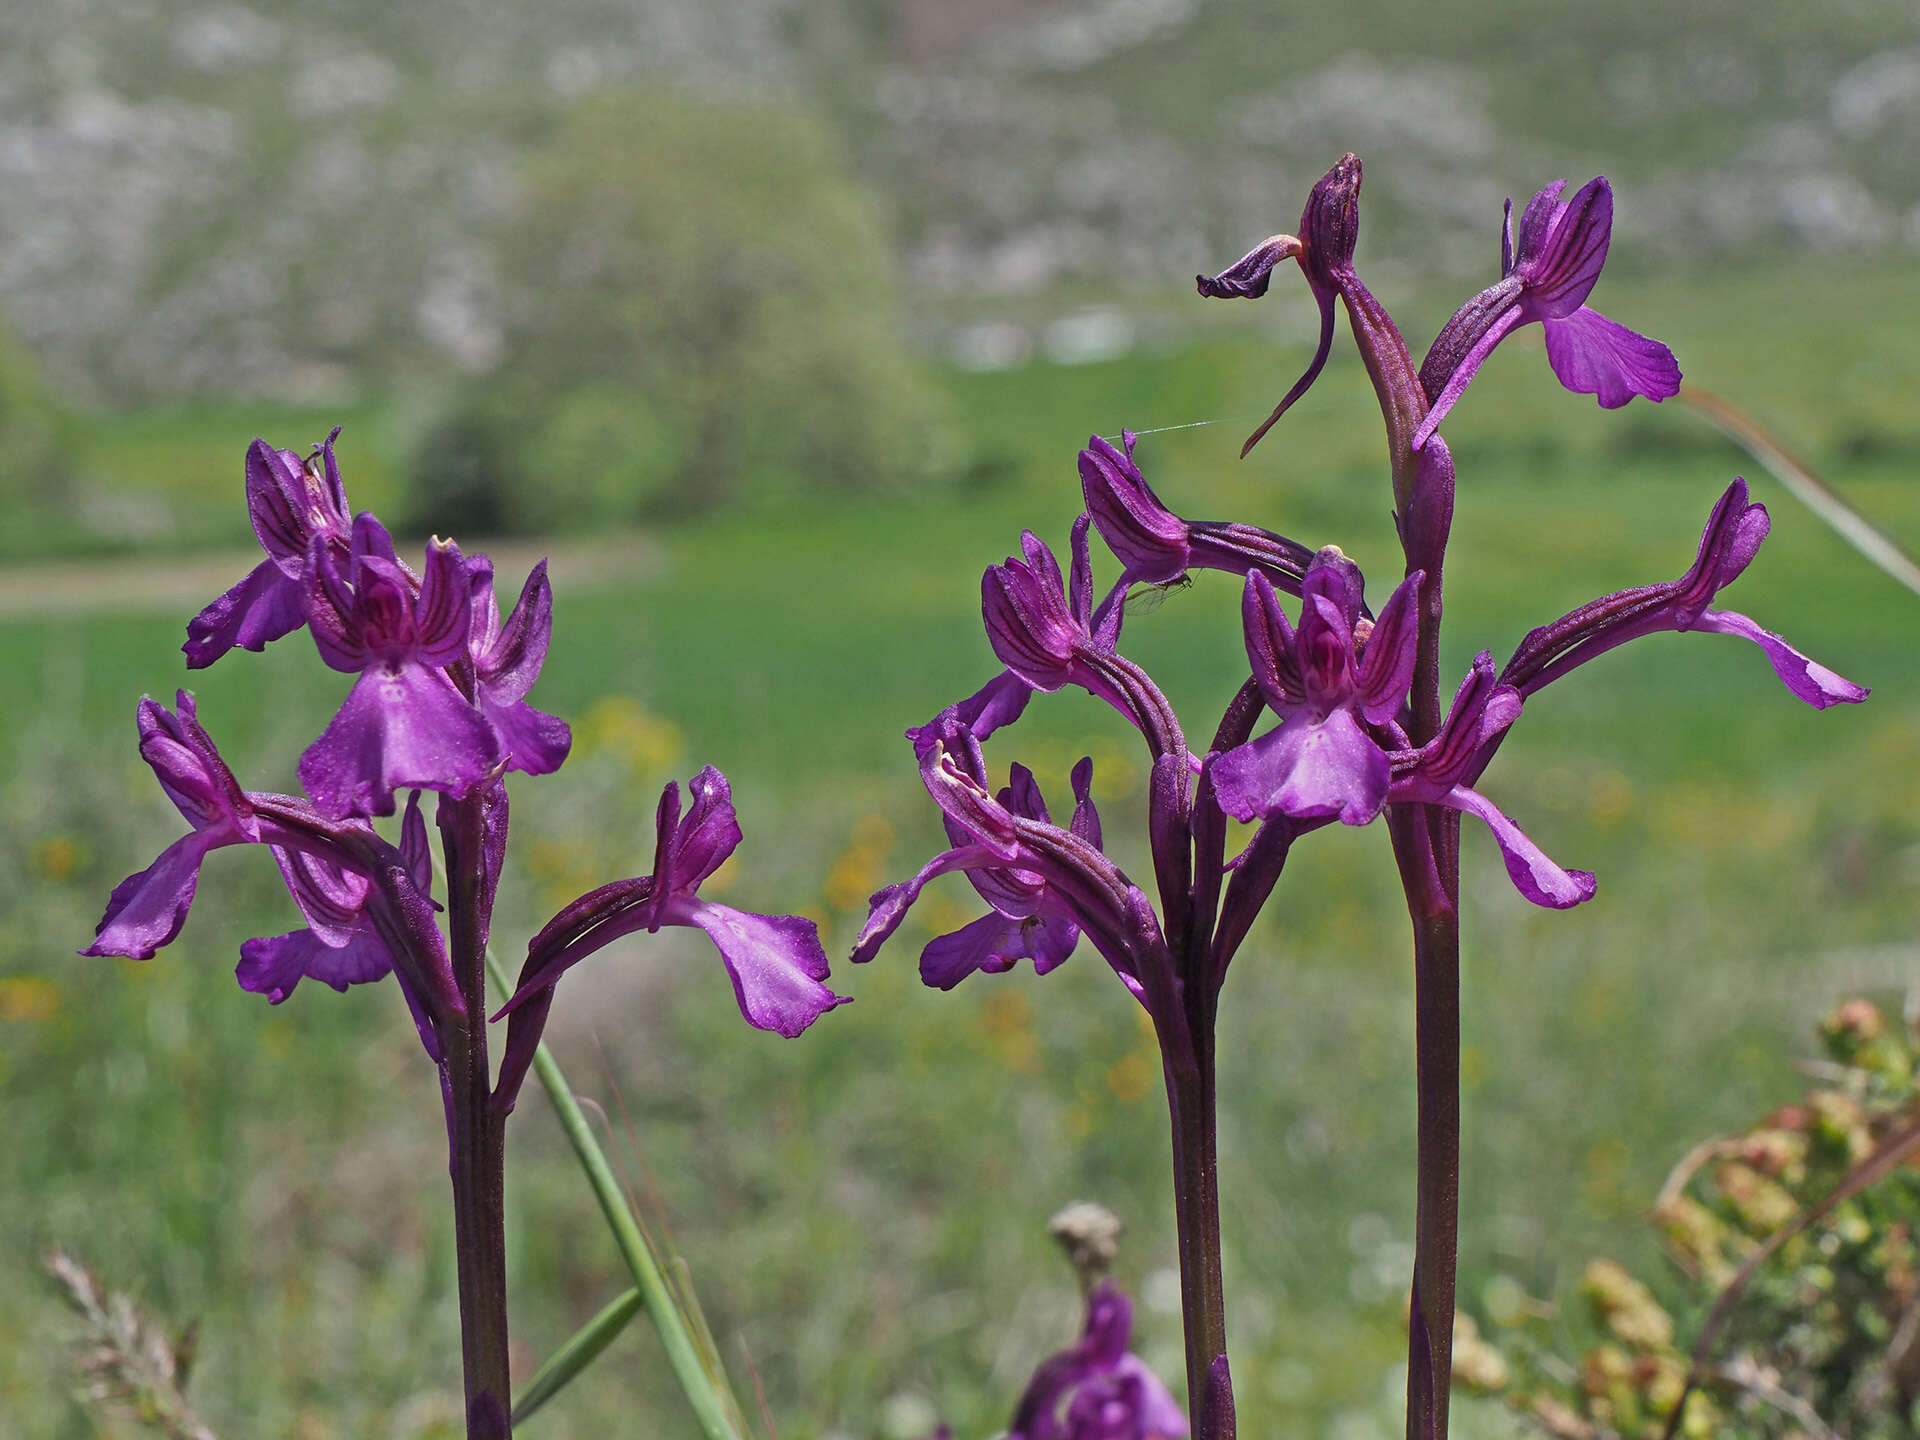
(274, 966)
(888, 906)
(775, 962)
(1561, 268)
(443, 613)
(995, 943)
(1808, 679)
(146, 910)
(1592, 355)
(708, 833)
(515, 652)
(1386, 666)
(1145, 536)
(1534, 872)
(534, 742)
(403, 725)
(1305, 770)
(263, 607)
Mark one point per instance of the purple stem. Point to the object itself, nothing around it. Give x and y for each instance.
(1426, 844)
(1196, 1204)
(476, 1132)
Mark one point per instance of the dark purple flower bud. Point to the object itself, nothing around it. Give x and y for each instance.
(1731, 538)
(507, 660)
(292, 504)
(1157, 546)
(1097, 1389)
(1328, 680)
(1329, 232)
(405, 724)
(775, 961)
(1547, 276)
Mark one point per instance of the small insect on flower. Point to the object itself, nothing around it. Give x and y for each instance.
(1144, 599)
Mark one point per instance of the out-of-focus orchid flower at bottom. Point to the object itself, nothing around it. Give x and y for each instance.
(776, 963)
(1097, 1389)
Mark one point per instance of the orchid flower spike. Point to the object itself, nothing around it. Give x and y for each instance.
(1546, 275)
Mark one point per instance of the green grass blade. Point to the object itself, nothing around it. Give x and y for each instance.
(580, 1351)
(706, 1389)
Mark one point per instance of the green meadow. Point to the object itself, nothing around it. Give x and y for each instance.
(863, 1210)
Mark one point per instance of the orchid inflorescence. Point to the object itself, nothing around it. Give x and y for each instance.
(1358, 728)
(1339, 719)
(438, 704)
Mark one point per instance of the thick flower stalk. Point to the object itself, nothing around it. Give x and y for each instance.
(438, 703)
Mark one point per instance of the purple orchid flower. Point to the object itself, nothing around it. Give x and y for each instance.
(293, 503)
(340, 945)
(1021, 860)
(507, 660)
(1097, 1389)
(1732, 536)
(1050, 633)
(776, 963)
(1025, 921)
(1337, 686)
(147, 909)
(405, 723)
(356, 891)
(1328, 681)
(1156, 546)
(1546, 276)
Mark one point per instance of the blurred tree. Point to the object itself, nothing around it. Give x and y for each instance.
(701, 310)
(36, 474)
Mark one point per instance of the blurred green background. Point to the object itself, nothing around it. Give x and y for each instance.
(772, 324)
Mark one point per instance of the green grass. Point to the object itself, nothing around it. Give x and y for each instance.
(864, 1208)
